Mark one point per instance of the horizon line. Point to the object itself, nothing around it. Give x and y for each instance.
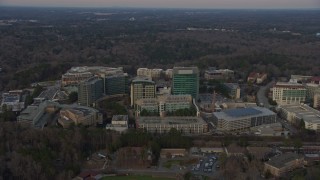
(151, 7)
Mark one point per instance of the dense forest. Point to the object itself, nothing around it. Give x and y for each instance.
(40, 44)
(55, 153)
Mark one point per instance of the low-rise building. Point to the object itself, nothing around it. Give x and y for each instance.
(37, 115)
(79, 115)
(186, 125)
(261, 78)
(171, 153)
(300, 78)
(218, 74)
(233, 89)
(252, 77)
(243, 118)
(258, 78)
(12, 100)
(280, 165)
(274, 129)
(289, 93)
(151, 73)
(163, 104)
(119, 123)
(295, 113)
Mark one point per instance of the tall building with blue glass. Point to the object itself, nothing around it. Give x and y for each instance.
(185, 80)
(90, 91)
(116, 84)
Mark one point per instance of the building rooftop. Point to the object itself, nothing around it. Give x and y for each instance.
(288, 85)
(232, 85)
(304, 112)
(80, 111)
(10, 98)
(240, 113)
(282, 160)
(91, 80)
(185, 70)
(176, 120)
(140, 79)
(214, 70)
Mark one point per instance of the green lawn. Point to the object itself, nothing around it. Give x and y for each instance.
(135, 177)
(170, 163)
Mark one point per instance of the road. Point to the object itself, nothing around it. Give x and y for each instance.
(261, 95)
(156, 172)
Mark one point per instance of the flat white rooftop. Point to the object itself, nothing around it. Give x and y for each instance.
(243, 113)
(304, 112)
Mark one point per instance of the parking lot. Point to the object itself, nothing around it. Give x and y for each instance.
(208, 165)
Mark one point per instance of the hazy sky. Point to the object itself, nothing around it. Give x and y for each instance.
(171, 3)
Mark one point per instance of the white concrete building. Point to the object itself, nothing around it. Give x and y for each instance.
(151, 73)
(163, 104)
(119, 123)
(243, 118)
(186, 125)
(296, 113)
(289, 93)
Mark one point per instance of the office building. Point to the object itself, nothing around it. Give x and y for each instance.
(243, 118)
(185, 81)
(90, 91)
(141, 88)
(186, 125)
(151, 73)
(218, 74)
(295, 113)
(288, 93)
(116, 84)
(79, 115)
(163, 104)
(280, 165)
(233, 90)
(77, 74)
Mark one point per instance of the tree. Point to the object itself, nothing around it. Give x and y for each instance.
(37, 91)
(29, 100)
(297, 144)
(73, 97)
(302, 125)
